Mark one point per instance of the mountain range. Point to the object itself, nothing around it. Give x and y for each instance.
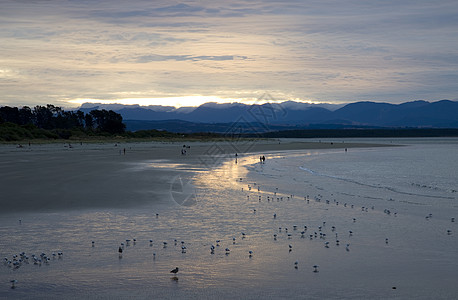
(286, 115)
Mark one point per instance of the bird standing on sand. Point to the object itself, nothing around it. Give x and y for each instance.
(174, 271)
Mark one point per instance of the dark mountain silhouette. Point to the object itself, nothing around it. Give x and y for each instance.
(411, 114)
(291, 115)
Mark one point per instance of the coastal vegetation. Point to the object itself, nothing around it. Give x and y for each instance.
(53, 123)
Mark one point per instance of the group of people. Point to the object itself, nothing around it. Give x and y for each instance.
(262, 159)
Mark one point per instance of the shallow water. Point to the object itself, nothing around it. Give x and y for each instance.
(420, 259)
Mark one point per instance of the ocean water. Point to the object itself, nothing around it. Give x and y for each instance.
(390, 208)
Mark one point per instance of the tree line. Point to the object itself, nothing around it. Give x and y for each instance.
(53, 117)
(52, 122)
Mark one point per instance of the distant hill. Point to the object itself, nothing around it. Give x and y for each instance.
(287, 116)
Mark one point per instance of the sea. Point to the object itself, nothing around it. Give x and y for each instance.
(341, 223)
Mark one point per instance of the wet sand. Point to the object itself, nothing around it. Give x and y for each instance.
(49, 177)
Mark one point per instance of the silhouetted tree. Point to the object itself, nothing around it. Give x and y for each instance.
(88, 122)
(43, 117)
(25, 116)
(10, 114)
(54, 117)
(108, 121)
(79, 118)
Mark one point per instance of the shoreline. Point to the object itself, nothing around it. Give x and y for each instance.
(53, 177)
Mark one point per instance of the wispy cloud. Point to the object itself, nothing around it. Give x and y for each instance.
(152, 58)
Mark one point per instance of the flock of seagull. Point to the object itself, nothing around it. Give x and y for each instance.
(318, 233)
(18, 260)
(322, 233)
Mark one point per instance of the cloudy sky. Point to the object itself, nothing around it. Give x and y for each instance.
(66, 52)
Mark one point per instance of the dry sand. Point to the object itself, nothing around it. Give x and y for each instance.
(47, 177)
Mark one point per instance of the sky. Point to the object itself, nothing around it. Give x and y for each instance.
(177, 53)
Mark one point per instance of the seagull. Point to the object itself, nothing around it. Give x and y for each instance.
(174, 271)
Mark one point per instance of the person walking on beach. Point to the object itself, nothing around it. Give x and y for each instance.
(263, 159)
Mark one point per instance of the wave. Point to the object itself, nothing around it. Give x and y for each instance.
(388, 188)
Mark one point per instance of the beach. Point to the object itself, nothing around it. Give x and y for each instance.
(47, 177)
(316, 219)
